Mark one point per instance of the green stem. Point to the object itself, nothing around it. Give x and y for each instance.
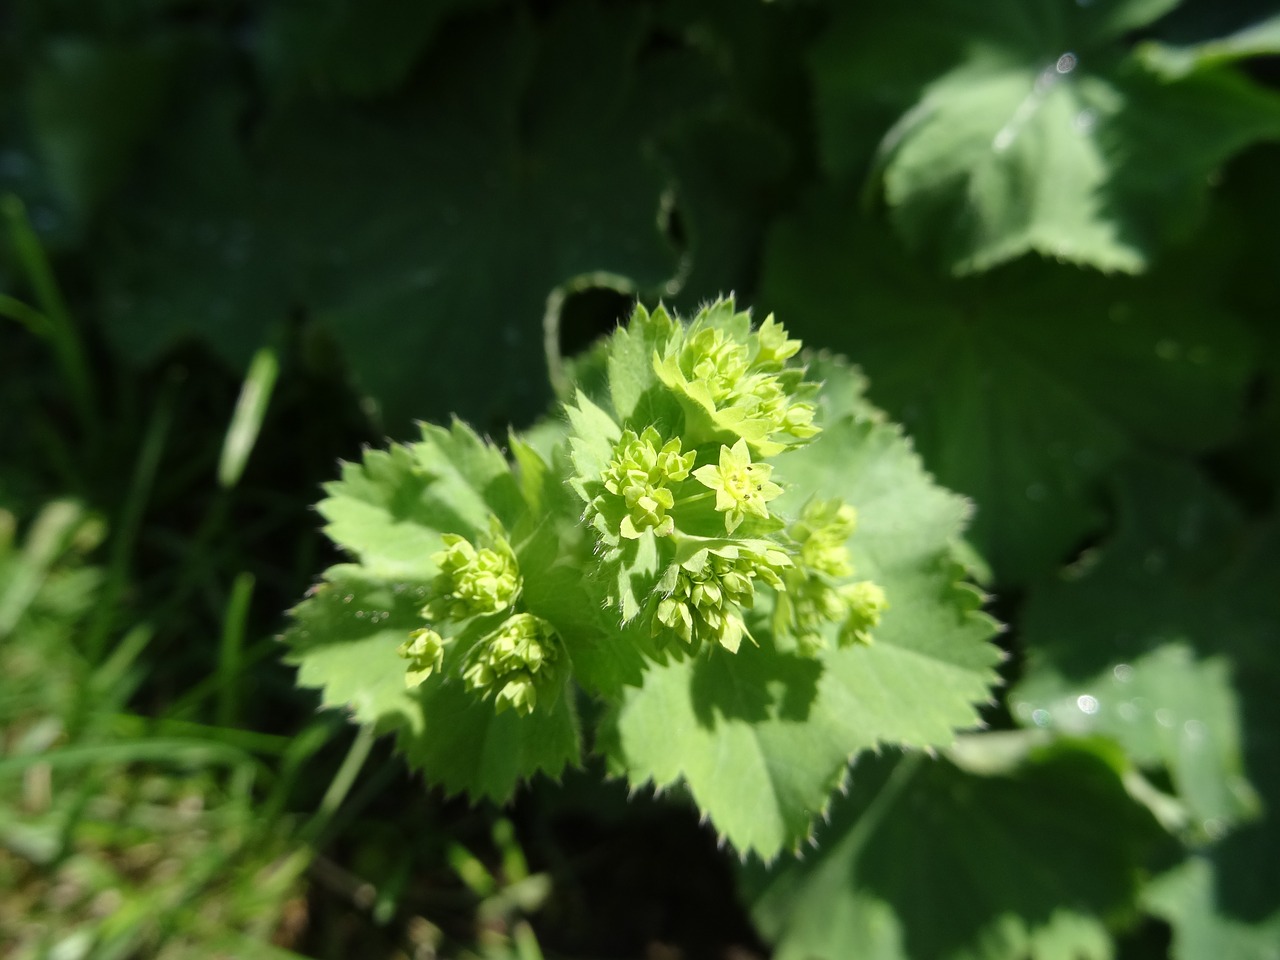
(693, 498)
(343, 780)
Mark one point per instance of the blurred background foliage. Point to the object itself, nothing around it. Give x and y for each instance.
(240, 239)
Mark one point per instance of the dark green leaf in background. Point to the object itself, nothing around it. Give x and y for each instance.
(429, 225)
(925, 860)
(1025, 127)
(1168, 641)
(358, 47)
(1021, 388)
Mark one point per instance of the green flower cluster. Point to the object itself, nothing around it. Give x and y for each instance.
(813, 598)
(511, 662)
(683, 482)
(734, 383)
(472, 582)
(702, 598)
(514, 662)
(642, 475)
(681, 488)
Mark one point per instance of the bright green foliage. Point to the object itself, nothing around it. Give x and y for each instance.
(778, 721)
(924, 859)
(718, 562)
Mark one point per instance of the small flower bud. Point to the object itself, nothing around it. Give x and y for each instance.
(425, 652)
(866, 602)
(821, 532)
(705, 596)
(773, 347)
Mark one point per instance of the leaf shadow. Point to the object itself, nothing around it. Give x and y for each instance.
(757, 684)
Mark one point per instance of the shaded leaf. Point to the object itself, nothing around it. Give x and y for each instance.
(924, 860)
(1021, 388)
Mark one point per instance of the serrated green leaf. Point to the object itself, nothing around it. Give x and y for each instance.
(1022, 388)
(779, 729)
(594, 434)
(1185, 566)
(390, 509)
(923, 860)
(344, 642)
(556, 590)
(465, 746)
(630, 360)
(1037, 134)
(344, 639)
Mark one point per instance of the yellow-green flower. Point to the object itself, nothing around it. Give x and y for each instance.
(733, 382)
(741, 487)
(717, 360)
(425, 652)
(773, 347)
(641, 473)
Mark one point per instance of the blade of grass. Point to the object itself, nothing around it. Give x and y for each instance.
(125, 533)
(246, 421)
(31, 318)
(62, 334)
(46, 541)
(231, 649)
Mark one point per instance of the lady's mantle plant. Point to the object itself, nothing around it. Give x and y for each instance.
(735, 553)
